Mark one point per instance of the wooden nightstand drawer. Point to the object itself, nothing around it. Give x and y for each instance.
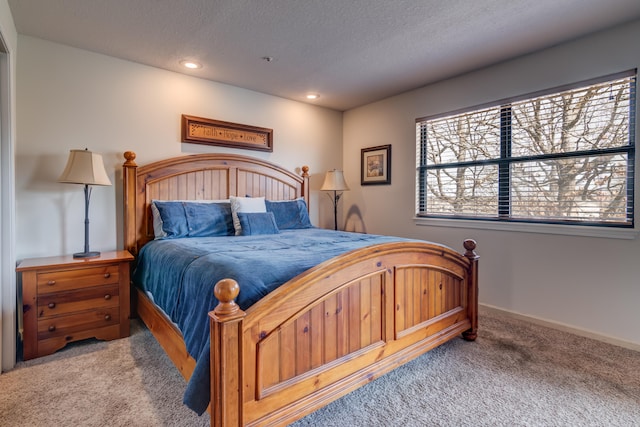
(67, 299)
(50, 345)
(79, 300)
(67, 325)
(73, 279)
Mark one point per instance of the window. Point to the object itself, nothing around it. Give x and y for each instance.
(565, 156)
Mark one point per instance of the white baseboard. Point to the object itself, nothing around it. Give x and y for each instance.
(562, 327)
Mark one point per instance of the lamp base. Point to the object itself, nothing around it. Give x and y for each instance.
(86, 255)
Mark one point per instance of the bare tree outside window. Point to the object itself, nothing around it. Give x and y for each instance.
(562, 157)
(463, 190)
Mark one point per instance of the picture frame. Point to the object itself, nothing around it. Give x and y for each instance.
(375, 166)
(198, 130)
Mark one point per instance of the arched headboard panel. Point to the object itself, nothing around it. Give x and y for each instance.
(199, 177)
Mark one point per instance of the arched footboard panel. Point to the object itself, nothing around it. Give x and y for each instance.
(344, 323)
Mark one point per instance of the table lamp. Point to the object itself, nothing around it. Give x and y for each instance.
(86, 168)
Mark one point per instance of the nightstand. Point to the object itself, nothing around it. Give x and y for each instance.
(66, 299)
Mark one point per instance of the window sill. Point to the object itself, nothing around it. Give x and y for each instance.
(567, 230)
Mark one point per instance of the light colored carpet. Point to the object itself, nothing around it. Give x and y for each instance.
(515, 374)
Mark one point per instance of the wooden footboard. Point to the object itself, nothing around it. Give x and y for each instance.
(336, 327)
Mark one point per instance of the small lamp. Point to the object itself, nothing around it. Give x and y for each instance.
(334, 181)
(86, 168)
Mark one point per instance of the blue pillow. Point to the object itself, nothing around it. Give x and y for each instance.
(253, 223)
(290, 214)
(174, 220)
(209, 219)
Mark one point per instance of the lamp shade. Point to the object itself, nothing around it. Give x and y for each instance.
(84, 167)
(334, 181)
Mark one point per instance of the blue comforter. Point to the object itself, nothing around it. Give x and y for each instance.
(180, 275)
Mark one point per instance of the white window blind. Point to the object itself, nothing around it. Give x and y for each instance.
(565, 156)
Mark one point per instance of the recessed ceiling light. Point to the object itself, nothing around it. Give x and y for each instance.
(313, 96)
(191, 64)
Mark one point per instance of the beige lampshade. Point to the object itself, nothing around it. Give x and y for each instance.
(334, 181)
(84, 167)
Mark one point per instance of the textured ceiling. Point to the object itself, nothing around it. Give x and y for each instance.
(351, 52)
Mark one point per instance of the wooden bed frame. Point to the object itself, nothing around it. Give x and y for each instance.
(324, 333)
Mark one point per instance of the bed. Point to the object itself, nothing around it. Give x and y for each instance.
(329, 329)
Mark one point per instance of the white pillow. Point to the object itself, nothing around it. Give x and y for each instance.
(247, 205)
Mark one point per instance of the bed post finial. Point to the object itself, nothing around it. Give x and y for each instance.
(130, 156)
(226, 290)
(305, 171)
(470, 246)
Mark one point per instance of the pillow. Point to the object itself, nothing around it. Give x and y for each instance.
(169, 220)
(246, 205)
(253, 223)
(290, 214)
(173, 212)
(209, 219)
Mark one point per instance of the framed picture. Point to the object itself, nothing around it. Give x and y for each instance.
(198, 130)
(375, 167)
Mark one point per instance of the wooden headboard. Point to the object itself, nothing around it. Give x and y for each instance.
(199, 177)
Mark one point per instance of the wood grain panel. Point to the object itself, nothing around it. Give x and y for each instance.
(303, 343)
(333, 328)
(353, 317)
(209, 184)
(330, 332)
(376, 317)
(71, 279)
(78, 300)
(364, 320)
(68, 324)
(423, 293)
(255, 184)
(341, 325)
(316, 334)
(271, 373)
(287, 354)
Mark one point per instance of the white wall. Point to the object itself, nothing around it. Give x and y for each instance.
(70, 98)
(592, 284)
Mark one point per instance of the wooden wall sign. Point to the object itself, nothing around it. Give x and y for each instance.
(198, 130)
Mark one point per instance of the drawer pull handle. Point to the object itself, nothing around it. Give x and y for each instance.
(107, 317)
(52, 305)
(52, 328)
(51, 282)
(107, 297)
(107, 275)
